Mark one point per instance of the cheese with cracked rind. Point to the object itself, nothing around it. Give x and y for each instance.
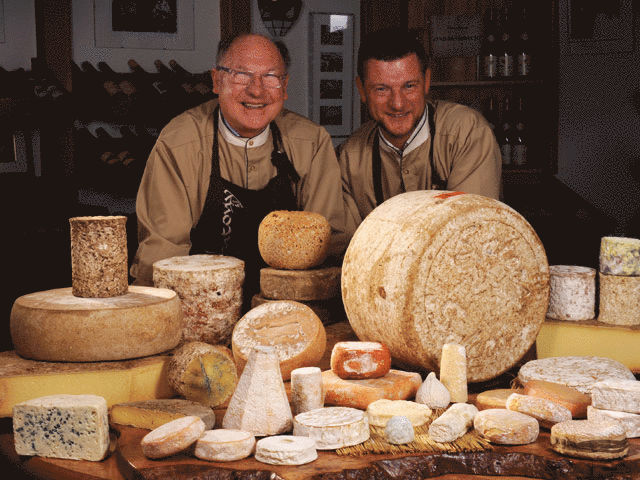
(548, 413)
(453, 423)
(172, 437)
(506, 427)
(572, 294)
(358, 360)
(591, 439)
(286, 450)
(630, 421)
(381, 411)
(150, 414)
(620, 256)
(224, 445)
(333, 427)
(620, 395)
(300, 285)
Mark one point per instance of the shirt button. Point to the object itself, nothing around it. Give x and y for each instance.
(251, 143)
(405, 171)
(252, 168)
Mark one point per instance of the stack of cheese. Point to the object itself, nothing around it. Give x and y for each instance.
(294, 244)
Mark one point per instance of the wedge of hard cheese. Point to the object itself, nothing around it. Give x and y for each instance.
(150, 414)
(619, 395)
(630, 421)
(577, 402)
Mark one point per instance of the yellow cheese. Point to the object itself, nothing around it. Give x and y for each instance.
(150, 414)
(117, 382)
(590, 338)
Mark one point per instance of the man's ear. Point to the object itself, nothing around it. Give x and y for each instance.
(285, 82)
(427, 80)
(216, 80)
(361, 91)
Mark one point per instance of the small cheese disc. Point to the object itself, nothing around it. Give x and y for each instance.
(590, 439)
(224, 445)
(496, 398)
(286, 450)
(548, 413)
(620, 256)
(506, 427)
(172, 437)
(381, 411)
(572, 293)
(399, 430)
(568, 397)
(150, 414)
(358, 360)
(300, 285)
(630, 421)
(332, 427)
(620, 395)
(619, 300)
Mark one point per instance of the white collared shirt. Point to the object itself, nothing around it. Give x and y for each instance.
(418, 137)
(234, 138)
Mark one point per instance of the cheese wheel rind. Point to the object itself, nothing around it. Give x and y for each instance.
(300, 285)
(545, 411)
(358, 360)
(506, 427)
(589, 439)
(333, 427)
(620, 395)
(630, 421)
(172, 437)
(224, 445)
(619, 300)
(381, 411)
(286, 450)
(572, 293)
(620, 256)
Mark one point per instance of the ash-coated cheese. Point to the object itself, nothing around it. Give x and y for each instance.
(358, 360)
(286, 450)
(381, 411)
(577, 402)
(620, 256)
(307, 392)
(399, 430)
(495, 398)
(572, 294)
(619, 300)
(506, 427)
(548, 413)
(294, 240)
(453, 423)
(427, 268)
(620, 395)
(300, 285)
(224, 445)
(332, 427)
(599, 440)
(579, 372)
(172, 437)
(210, 290)
(99, 256)
(150, 414)
(62, 426)
(630, 421)
(453, 371)
(293, 329)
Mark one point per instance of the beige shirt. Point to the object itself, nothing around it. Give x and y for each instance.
(466, 155)
(174, 185)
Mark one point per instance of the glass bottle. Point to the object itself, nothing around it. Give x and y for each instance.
(519, 147)
(506, 131)
(489, 45)
(523, 46)
(505, 52)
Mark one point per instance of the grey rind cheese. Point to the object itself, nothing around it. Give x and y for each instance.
(619, 300)
(427, 268)
(300, 285)
(573, 292)
(99, 256)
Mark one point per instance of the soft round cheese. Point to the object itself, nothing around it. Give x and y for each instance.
(506, 427)
(602, 440)
(224, 445)
(172, 437)
(572, 294)
(286, 450)
(619, 300)
(620, 256)
(358, 360)
(399, 430)
(332, 427)
(381, 411)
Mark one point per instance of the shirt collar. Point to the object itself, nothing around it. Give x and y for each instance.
(418, 137)
(234, 138)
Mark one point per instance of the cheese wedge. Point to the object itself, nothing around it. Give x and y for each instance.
(630, 421)
(150, 414)
(548, 413)
(496, 398)
(570, 398)
(620, 395)
(506, 427)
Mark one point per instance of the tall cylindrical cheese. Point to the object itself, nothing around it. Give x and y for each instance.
(619, 300)
(300, 285)
(572, 293)
(210, 289)
(453, 371)
(99, 256)
(307, 392)
(431, 267)
(620, 256)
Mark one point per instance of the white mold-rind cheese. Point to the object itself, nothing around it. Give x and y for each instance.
(333, 427)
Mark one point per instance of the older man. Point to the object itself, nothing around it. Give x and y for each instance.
(219, 168)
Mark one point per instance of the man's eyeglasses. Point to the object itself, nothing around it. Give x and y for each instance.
(269, 80)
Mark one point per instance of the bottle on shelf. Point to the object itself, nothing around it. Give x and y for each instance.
(505, 139)
(519, 147)
(489, 45)
(505, 50)
(523, 45)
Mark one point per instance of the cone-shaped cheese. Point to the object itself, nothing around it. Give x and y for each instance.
(259, 404)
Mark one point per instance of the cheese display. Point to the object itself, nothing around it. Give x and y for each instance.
(150, 414)
(620, 256)
(570, 398)
(99, 256)
(210, 290)
(328, 311)
(548, 413)
(630, 421)
(172, 437)
(433, 393)
(62, 426)
(203, 373)
(399, 430)
(296, 333)
(453, 371)
(224, 445)
(381, 411)
(600, 440)
(572, 294)
(358, 360)
(576, 372)
(259, 403)
(495, 398)
(620, 395)
(395, 385)
(332, 427)
(116, 382)
(427, 268)
(294, 240)
(619, 300)
(506, 427)
(453, 423)
(55, 325)
(286, 450)
(306, 389)
(300, 285)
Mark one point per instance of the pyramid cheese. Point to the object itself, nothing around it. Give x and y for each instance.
(506, 427)
(572, 294)
(620, 256)
(333, 427)
(172, 437)
(630, 421)
(223, 445)
(150, 414)
(619, 300)
(286, 450)
(300, 285)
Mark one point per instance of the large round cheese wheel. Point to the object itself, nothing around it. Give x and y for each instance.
(57, 326)
(427, 268)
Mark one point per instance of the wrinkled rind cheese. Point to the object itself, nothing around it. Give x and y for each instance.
(589, 439)
(399, 430)
(224, 445)
(172, 437)
(545, 411)
(620, 395)
(286, 450)
(333, 427)
(358, 360)
(506, 427)
(62, 426)
(568, 397)
(453, 423)
(381, 411)
(150, 414)
(433, 393)
(630, 421)
(572, 294)
(619, 300)
(453, 371)
(300, 285)
(620, 256)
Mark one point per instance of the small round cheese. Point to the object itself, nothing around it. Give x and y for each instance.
(590, 439)
(381, 411)
(399, 430)
(572, 293)
(172, 437)
(286, 450)
(225, 445)
(506, 427)
(333, 427)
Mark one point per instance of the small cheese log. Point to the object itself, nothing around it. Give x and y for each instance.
(395, 385)
(572, 292)
(620, 395)
(296, 333)
(568, 397)
(259, 404)
(150, 414)
(300, 285)
(506, 427)
(224, 445)
(630, 421)
(286, 450)
(600, 440)
(203, 373)
(399, 430)
(358, 360)
(306, 389)
(453, 371)
(62, 426)
(210, 290)
(381, 411)
(332, 427)
(453, 423)
(172, 437)
(619, 300)
(620, 256)
(99, 256)
(433, 393)
(496, 398)
(545, 411)
(294, 240)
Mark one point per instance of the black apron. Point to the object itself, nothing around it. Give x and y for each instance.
(231, 215)
(437, 182)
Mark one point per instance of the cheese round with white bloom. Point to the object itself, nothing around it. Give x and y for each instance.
(333, 427)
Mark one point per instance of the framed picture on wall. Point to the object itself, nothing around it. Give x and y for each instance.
(13, 152)
(157, 24)
(331, 42)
